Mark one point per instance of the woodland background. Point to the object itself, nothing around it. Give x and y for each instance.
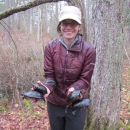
(23, 37)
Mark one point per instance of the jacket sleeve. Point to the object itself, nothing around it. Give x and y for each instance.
(49, 69)
(84, 79)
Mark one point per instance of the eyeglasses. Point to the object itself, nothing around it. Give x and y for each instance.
(72, 24)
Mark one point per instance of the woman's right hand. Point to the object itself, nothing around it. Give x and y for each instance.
(48, 91)
(45, 96)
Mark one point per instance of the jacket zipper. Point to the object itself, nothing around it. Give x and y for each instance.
(65, 66)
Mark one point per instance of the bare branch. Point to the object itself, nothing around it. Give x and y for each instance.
(10, 36)
(27, 6)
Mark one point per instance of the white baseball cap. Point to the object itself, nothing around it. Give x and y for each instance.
(70, 12)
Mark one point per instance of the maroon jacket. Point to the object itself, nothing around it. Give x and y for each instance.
(64, 69)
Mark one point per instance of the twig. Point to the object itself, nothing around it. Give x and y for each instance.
(10, 37)
(127, 54)
(41, 107)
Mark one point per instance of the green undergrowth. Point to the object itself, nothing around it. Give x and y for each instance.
(3, 104)
(27, 104)
(125, 127)
(3, 109)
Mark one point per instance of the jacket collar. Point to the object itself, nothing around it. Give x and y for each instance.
(76, 45)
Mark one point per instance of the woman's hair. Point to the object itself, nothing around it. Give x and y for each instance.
(58, 27)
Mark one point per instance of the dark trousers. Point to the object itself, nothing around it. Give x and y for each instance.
(60, 120)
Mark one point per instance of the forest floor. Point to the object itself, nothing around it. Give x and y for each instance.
(36, 117)
(125, 98)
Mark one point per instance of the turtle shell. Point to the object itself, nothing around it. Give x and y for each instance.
(40, 88)
(75, 95)
(32, 94)
(81, 104)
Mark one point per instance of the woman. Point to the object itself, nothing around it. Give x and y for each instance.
(68, 66)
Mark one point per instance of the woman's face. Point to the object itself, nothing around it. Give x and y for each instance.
(69, 29)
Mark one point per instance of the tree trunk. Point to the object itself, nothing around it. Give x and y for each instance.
(39, 24)
(106, 81)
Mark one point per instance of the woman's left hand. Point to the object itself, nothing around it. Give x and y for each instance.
(70, 90)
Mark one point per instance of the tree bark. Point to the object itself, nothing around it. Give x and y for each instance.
(108, 38)
(27, 6)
